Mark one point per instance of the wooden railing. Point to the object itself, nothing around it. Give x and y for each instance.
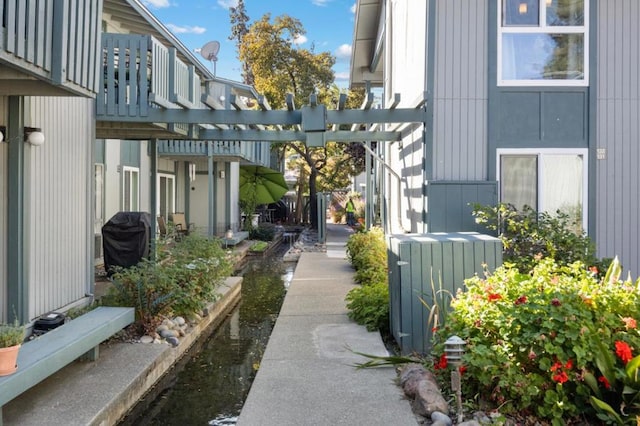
(55, 41)
(139, 73)
(253, 152)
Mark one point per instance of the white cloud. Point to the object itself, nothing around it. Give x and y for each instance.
(300, 39)
(320, 2)
(353, 8)
(342, 75)
(228, 3)
(186, 30)
(158, 4)
(343, 52)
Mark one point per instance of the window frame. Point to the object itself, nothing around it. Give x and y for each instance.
(171, 204)
(131, 170)
(543, 28)
(539, 152)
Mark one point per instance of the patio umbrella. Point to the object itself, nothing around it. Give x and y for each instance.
(261, 184)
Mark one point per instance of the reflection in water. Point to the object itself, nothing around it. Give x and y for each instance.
(213, 385)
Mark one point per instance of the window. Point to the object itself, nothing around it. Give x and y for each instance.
(166, 194)
(546, 179)
(130, 189)
(543, 43)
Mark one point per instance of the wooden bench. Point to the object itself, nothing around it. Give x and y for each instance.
(238, 236)
(46, 354)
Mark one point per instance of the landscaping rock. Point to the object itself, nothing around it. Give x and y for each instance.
(162, 327)
(441, 419)
(173, 341)
(429, 399)
(166, 334)
(146, 339)
(410, 377)
(179, 321)
(469, 423)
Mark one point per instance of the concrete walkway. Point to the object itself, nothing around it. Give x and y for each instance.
(307, 375)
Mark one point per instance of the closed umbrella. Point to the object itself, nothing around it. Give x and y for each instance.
(261, 185)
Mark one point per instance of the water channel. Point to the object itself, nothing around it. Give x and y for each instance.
(209, 386)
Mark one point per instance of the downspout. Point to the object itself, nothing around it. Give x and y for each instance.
(427, 127)
(153, 151)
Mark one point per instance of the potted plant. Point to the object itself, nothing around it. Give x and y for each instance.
(11, 337)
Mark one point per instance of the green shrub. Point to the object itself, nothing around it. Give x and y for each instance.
(534, 339)
(528, 234)
(262, 233)
(181, 281)
(11, 334)
(369, 306)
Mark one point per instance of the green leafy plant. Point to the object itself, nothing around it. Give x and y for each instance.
(181, 280)
(259, 246)
(11, 334)
(369, 306)
(532, 337)
(527, 234)
(262, 233)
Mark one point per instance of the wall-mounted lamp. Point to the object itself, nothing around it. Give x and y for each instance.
(3, 132)
(34, 136)
(222, 98)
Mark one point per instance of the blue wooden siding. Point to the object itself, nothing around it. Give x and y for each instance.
(56, 41)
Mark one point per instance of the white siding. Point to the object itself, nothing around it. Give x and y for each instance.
(58, 196)
(112, 180)
(618, 131)
(460, 92)
(145, 178)
(3, 214)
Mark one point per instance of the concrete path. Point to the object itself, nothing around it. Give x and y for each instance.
(307, 375)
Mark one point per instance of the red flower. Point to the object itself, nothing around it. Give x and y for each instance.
(560, 377)
(623, 351)
(462, 369)
(521, 300)
(556, 366)
(442, 363)
(555, 302)
(604, 381)
(594, 271)
(434, 329)
(494, 296)
(569, 365)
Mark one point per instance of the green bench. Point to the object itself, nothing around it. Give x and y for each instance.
(43, 356)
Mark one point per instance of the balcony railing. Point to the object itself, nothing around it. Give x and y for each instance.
(249, 152)
(55, 41)
(138, 74)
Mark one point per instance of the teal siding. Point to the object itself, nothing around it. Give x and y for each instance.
(450, 204)
(130, 153)
(420, 263)
(99, 156)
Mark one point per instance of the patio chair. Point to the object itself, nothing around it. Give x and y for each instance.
(180, 222)
(162, 227)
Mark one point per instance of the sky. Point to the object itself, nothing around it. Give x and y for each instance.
(329, 26)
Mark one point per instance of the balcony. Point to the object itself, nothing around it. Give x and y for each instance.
(139, 74)
(243, 152)
(49, 47)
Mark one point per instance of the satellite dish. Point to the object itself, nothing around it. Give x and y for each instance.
(210, 52)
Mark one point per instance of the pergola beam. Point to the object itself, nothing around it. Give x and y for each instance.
(254, 135)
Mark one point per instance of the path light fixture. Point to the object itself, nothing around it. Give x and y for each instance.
(454, 350)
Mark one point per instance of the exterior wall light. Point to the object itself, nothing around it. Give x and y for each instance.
(34, 136)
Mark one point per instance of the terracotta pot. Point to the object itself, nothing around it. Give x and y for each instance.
(8, 360)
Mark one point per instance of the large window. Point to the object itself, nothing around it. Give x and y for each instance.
(130, 189)
(546, 179)
(543, 43)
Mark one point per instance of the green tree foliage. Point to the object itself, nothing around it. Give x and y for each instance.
(239, 29)
(281, 67)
